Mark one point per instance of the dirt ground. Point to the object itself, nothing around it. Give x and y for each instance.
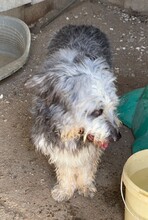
(26, 178)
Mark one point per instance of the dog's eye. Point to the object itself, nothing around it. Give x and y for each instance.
(97, 113)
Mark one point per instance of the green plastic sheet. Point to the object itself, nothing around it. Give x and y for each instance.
(133, 112)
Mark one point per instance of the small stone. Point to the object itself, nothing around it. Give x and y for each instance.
(85, 13)
(1, 96)
(42, 181)
(117, 69)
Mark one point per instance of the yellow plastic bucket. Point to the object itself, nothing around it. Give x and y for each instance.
(135, 179)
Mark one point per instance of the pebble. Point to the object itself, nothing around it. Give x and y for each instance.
(1, 96)
(85, 13)
(42, 181)
(76, 16)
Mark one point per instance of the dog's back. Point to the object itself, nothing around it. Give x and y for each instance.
(87, 40)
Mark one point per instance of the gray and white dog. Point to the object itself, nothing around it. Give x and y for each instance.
(74, 107)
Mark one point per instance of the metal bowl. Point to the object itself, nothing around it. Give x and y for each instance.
(14, 45)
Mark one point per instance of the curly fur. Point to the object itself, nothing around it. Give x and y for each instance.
(74, 107)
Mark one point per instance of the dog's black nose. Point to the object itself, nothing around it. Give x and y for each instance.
(115, 136)
(118, 136)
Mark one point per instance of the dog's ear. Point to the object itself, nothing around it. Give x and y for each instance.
(47, 86)
(35, 81)
(39, 84)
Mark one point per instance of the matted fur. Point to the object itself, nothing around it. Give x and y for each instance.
(74, 107)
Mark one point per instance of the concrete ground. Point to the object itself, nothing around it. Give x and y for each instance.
(26, 178)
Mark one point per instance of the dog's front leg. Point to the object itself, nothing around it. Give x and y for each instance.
(86, 172)
(66, 183)
(86, 180)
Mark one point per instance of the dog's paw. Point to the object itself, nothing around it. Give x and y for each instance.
(87, 190)
(60, 194)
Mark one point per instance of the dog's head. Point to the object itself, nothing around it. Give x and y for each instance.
(99, 122)
(94, 109)
(93, 102)
(81, 98)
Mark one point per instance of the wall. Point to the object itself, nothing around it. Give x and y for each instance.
(29, 13)
(10, 4)
(136, 5)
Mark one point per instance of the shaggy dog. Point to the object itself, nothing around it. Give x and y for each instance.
(74, 107)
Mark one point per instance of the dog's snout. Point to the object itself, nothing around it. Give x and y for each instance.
(114, 136)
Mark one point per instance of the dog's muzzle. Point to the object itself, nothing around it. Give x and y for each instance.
(114, 136)
(102, 144)
(114, 133)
